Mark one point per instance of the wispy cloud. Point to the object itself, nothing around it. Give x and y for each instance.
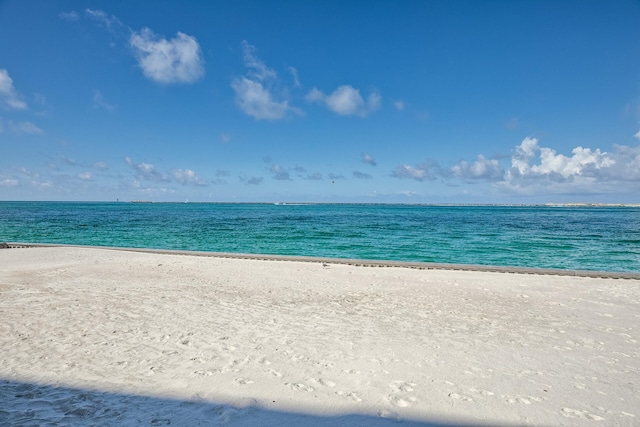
(21, 128)
(166, 61)
(399, 105)
(367, 158)
(9, 97)
(346, 101)
(108, 21)
(255, 93)
(254, 180)
(101, 103)
(69, 16)
(361, 175)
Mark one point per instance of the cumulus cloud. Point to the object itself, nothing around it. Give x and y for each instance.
(145, 170)
(178, 60)
(346, 101)
(9, 97)
(257, 101)
(583, 162)
(426, 171)
(367, 158)
(256, 93)
(637, 135)
(538, 170)
(85, 176)
(481, 169)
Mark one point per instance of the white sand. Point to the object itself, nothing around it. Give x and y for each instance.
(104, 337)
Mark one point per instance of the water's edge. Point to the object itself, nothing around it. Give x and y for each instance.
(354, 262)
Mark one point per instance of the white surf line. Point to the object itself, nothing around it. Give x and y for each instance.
(348, 261)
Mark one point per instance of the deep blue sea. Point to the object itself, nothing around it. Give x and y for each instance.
(575, 238)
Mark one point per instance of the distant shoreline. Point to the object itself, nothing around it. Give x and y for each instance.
(548, 204)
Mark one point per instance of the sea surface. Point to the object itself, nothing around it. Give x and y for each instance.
(573, 238)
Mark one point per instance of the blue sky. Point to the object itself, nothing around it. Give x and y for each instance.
(320, 101)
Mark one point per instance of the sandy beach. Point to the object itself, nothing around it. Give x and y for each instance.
(106, 337)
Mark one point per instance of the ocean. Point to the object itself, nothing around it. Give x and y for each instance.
(572, 238)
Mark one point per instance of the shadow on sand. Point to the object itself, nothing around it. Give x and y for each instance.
(30, 404)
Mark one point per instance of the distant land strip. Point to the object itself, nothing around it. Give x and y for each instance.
(354, 262)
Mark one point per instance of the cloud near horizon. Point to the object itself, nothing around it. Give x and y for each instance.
(149, 172)
(536, 169)
(178, 60)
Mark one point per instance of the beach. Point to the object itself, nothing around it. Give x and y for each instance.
(106, 337)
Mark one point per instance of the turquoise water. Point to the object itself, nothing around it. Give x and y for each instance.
(576, 238)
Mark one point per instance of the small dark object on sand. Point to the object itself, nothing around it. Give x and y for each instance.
(4, 245)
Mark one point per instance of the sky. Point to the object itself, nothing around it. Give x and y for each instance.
(495, 101)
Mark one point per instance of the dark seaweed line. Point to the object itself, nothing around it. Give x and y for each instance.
(354, 262)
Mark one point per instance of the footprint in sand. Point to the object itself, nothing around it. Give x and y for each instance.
(462, 397)
(401, 397)
(274, 373)
(575, 413)
(299, 387)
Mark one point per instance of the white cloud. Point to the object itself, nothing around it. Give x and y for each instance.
(9, 97)
(481, 169)
(426, 171)
(399, 105)
(637, 135)
(346, 101)
(8, 182)
(540, 170)
(109, 21)
(149, 172)
(558, 166)
(85, 176)
(178, 60)
(366, 158)
(256, 101)
(294, 74)
(257, 69)
(145, 170)
(255, 93)
(187, 177)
